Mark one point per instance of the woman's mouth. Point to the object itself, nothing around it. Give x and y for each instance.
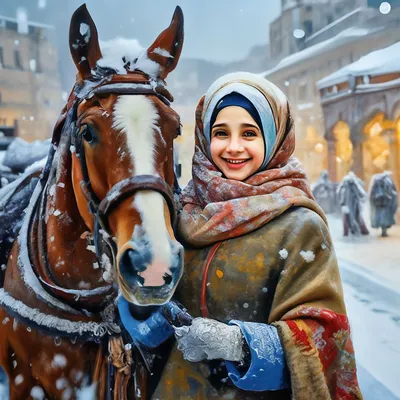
(235, 163)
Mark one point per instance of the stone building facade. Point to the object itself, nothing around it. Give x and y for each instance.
(361, 107)
(297, 75)
(30, 87)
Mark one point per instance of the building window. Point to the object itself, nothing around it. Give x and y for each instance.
(308, 8)
(339, 10)
(329, 19)
(308, 27)
(1, 57)
(303, 92)
(17, 59)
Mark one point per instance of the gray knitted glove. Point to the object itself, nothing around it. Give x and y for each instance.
(208, 339)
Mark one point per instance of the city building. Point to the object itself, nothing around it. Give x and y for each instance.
(30, 87)
(297, 74)
(361, 107)
(303, 23)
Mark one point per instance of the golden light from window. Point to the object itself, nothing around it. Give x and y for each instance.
(319, 148)
(376, 129)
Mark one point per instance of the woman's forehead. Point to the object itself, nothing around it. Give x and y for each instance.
(234, 114)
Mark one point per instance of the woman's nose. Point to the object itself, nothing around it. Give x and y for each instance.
(235, 146)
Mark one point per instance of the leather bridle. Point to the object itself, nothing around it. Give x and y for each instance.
(101, 209)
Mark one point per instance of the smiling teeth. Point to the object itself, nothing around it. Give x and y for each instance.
(236, 161)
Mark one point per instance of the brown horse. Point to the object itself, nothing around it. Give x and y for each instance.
(99, 222)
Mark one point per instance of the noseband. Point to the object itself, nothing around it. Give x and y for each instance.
(101, 209)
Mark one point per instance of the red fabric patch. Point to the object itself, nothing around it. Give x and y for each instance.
(301, 337)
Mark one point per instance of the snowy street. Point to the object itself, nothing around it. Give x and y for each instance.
(370, 271)
(374, 313)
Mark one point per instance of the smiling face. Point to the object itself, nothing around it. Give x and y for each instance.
(237, 143)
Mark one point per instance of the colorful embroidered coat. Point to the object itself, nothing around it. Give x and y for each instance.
(285, 274)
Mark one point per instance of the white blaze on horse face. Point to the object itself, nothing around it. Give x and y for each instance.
(137, 117)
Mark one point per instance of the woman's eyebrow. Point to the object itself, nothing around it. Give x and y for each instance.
(219, 125)
(247, 125)
(243, 125)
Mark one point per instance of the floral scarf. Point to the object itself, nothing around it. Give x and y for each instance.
(216, 208)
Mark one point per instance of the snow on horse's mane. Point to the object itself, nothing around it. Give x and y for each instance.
(118, 52)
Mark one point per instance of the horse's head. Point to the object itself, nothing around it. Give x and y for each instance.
(122, 161)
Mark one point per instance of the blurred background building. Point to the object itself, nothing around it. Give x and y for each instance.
(314, 39)
(30, 86)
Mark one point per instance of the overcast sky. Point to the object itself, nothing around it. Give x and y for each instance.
(217, 30)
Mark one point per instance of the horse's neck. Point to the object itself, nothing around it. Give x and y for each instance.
(62, 236)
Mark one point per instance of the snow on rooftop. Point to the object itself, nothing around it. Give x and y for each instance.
(334, 23)
(378, 62)
(346, 36)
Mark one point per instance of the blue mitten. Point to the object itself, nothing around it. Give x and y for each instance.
(150, 332)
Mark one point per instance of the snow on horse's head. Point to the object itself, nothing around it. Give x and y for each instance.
(122, 165)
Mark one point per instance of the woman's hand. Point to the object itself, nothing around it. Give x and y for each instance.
(208, 339)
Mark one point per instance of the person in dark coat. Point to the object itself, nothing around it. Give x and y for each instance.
(383, 200)
(351, 195)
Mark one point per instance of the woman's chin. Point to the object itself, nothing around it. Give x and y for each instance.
(236, 175)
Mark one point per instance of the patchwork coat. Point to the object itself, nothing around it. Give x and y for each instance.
(286, 274)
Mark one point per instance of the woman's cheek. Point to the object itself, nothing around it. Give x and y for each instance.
(215, 149)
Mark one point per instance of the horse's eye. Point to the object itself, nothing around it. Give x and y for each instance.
(87, 134)
(178, 131)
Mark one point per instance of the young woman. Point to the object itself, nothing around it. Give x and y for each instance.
(261, 275)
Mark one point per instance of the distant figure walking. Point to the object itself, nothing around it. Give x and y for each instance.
(351, 195)
(324, 191)
(383, 201)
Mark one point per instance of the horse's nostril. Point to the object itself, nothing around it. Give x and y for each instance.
(167, 278)
(133, 260)
(130, 264)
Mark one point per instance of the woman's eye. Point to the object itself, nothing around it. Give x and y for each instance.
(249, 134)
(220, 134)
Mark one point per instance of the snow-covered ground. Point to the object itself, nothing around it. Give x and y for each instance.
(378, 256)
(370, 270)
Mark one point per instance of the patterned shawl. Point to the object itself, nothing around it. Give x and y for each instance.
(216, 208)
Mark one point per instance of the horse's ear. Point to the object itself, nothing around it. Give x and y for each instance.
(167, 48)
(84, 42)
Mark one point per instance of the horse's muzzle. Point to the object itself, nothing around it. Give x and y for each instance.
(143, 281)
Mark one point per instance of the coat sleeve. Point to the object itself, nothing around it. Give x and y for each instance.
(267, 370)
(309, 313)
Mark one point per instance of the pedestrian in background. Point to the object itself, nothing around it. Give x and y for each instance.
(383, 201)
(352, 195)
(324, 191)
